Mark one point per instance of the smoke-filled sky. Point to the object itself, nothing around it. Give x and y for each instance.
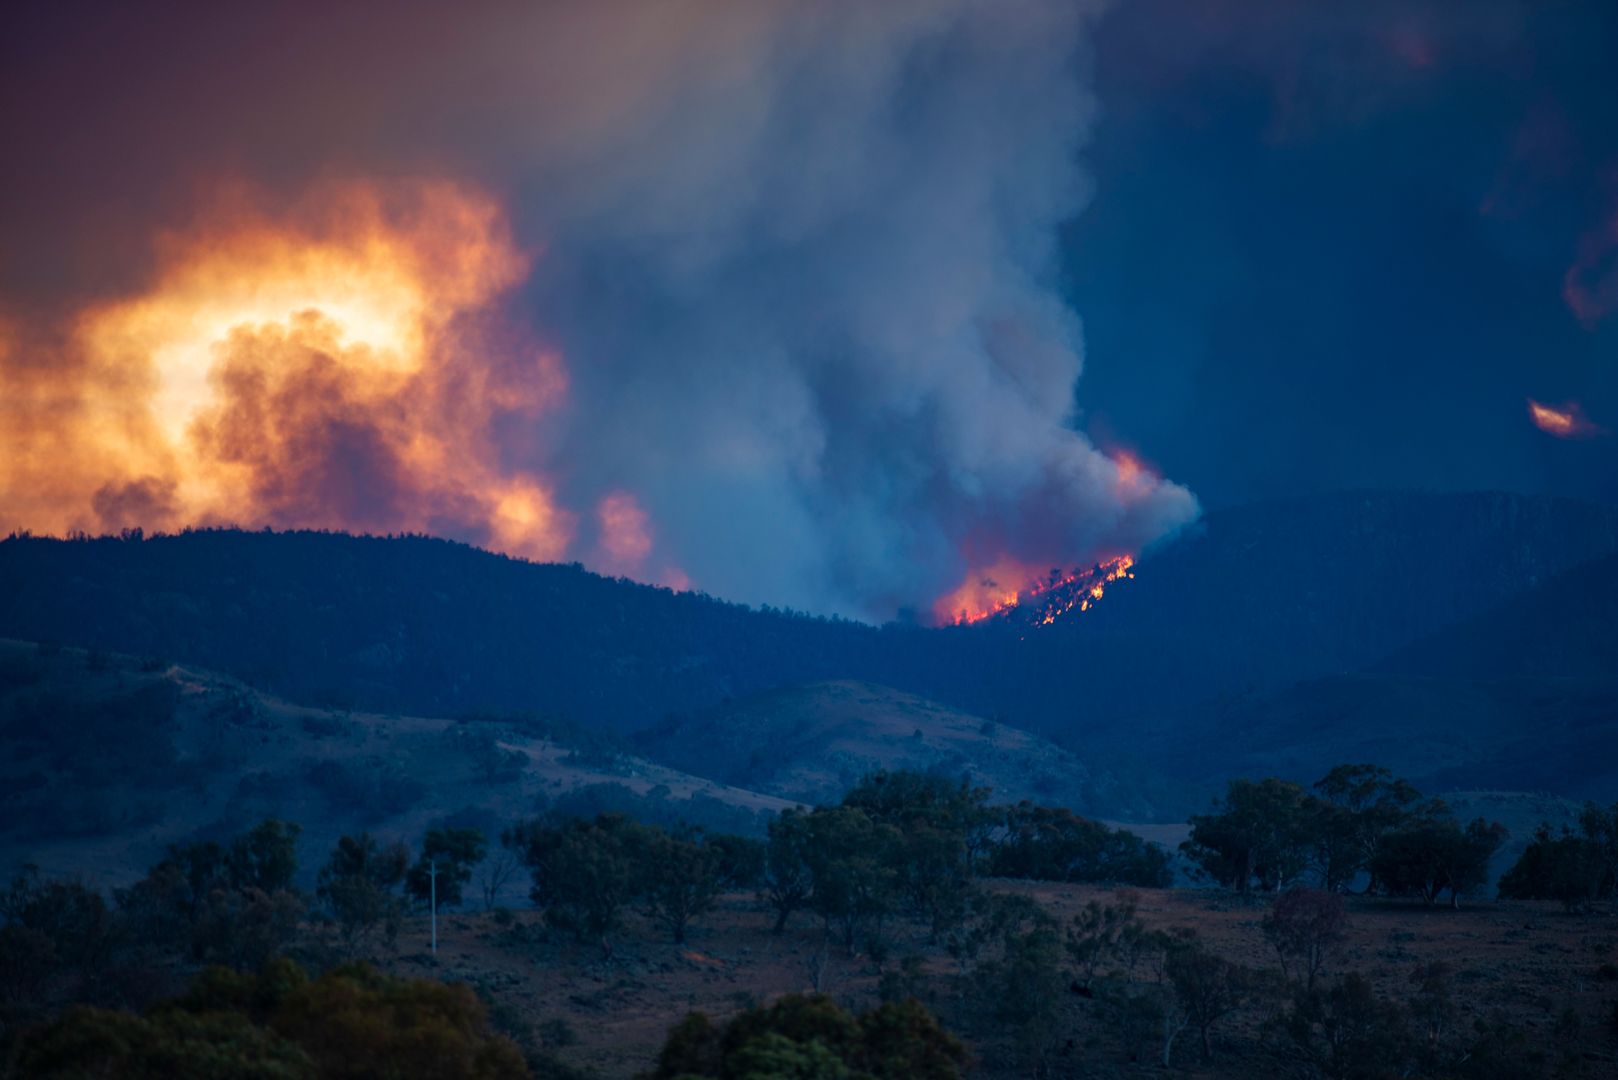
(851, 308)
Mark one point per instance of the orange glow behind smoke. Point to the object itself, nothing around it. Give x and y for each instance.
(987, 591)
(338, 366)
(626, 542)
(1565, 421)
(626, 539)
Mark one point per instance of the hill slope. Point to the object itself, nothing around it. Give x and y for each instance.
(1522, 697)
(1250, 602)
(1566, 627)
(104, 760)
(810, 743)
(1260, 596)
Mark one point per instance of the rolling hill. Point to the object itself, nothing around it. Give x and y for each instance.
(1244, 642)
(1521, 697)
(810, 743)
(107, 759)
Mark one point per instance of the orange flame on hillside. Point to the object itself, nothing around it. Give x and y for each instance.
(1008, 586)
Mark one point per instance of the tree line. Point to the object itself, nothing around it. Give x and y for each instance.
(1361, 825)
(900, 844)
(1358, 822)
(903, 856)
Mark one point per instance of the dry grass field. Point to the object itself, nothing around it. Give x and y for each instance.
(1531, 963)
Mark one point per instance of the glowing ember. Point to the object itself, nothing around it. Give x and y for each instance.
(1040, 601)
(1565, 421)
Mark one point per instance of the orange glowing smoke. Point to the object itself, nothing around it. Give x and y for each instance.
(1564, 421)
(1009, 586)
(625, 542)
(1037, 596)
(339, 364)
(626, 538)
(987, 591)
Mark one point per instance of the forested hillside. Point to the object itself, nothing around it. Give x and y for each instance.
(1220, 631)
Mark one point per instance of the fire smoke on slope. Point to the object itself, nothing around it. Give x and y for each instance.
(797, 263)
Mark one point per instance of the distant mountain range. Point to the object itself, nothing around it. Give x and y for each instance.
(1462, 637)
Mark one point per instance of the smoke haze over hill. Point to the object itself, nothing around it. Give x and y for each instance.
(759, 298)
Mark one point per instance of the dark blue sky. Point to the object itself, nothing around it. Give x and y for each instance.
(1328, 243)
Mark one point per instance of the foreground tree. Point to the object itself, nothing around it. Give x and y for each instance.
(1436, 855)
(1099, 934)
(1354, 806)
(1207, 987)
(1054, 844)
(854, 865)
(358, 886)
(1257, 836)
(1347, 1032)
(943, 827)
(683, 878)
(1578, 869)
(454, 852)
(585, 872)
(787, 880)
(265, 857)
(1306, 926)
(1020, 990)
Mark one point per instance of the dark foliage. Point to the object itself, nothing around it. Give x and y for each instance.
(1306, 926)
(1269, 834)
(1054, 844)
(814, 1037)
(454, 851)
(1578, 868)
(1433, 856)
(359, 886)
(278, 1025)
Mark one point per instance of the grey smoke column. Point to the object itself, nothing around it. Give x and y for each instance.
(799, 258)
(805, 272)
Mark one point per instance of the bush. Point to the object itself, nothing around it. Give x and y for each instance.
(279, 1025)
(813, 1036)
(1054, 844)
(1305, 926)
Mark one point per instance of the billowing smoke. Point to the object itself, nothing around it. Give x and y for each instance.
(763, 297)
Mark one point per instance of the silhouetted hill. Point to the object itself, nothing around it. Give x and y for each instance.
(1566, 627)
(1251, 600)
(1523, 696)
(1260, 596)
(811, 743)
(106, 759)
(411, 623)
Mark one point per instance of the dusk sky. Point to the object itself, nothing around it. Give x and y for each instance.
(841, 314)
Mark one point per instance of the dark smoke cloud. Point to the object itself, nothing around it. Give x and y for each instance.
(800, 259)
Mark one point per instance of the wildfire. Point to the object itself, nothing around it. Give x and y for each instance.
(1565, 421)
(986, 594)
(338, 364)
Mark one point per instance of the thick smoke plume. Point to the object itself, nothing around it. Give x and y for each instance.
(763, 297)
